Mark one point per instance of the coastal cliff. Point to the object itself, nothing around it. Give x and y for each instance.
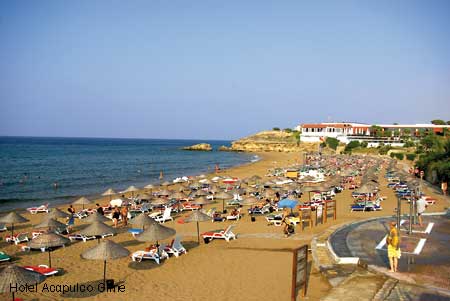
(270, 141)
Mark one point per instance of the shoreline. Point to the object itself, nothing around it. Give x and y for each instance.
(97, 197)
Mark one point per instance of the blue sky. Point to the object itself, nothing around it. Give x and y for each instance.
(218, 69)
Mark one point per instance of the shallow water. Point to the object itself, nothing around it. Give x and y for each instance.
(29, 167)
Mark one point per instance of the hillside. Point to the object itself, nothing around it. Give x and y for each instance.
(271, 141)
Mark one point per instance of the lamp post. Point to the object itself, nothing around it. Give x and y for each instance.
(399, 206)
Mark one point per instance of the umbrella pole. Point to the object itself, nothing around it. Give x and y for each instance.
(12, 230)
(49, 259)
(198, 234)
(223, 205)
(104, 273)
(13, 296)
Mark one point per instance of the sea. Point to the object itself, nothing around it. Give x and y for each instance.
(30, 166)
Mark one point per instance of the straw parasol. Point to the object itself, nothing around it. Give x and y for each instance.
(57, 213)
(50, 223)
(160, 201)
(156, 232)
(224, 196)
(149, 187)
(365, 189)
(97, 229)
(248, 201)
(109, 192)
(13, 218)
(131, 189)
(178, 195)
(95, 217)
(198, 216)
(105, 250)
(201, 193)
(48, 241)
(164, 192)
(12, 275)
(166, 183)
(142, 220)
(82, 201)
(201, 201)
(145, 196)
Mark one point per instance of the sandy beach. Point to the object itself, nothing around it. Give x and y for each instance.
(255, 266)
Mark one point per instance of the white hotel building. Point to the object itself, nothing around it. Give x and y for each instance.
(348, 131)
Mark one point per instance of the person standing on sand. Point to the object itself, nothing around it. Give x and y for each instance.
(444, 187)
(116, 216)
(124, 214)
(393, 244)
(421, 205)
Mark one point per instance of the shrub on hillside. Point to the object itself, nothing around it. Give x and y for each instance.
(411, 157)
(399, 156)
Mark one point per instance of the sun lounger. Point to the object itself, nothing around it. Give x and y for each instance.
(175, 247)
(4, 257)
(189, 206)
(80, 214)
(165, 216)
(42, 269)
(3, 227)
(274, 219)
(85, 238)
(236, 216)
(42, 208)
(17, 238)
(152, 255)
(226, 234)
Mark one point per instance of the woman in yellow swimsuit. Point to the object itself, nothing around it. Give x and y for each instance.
(393, 244)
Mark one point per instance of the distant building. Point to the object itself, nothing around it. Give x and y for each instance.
(346, 132)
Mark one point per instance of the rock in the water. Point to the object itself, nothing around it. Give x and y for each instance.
(199, 147)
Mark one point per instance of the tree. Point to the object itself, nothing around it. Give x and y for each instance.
(364, 144)
(397, 133)
(276, 129)
(431, 142)
(411, 157)
(332, 142)
(448, 122)
(387, 133)
(296, 135)
(438, 122)
(407, 132)
(376, 131)
(287, 130)
(399, 156)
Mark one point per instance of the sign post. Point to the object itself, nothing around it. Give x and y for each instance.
(299, 271)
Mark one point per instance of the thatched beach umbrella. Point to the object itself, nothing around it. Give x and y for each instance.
(156, 232)
(98, 229)
(159, 201)
(12, 275)
(365, 189)
(249, 201)
(178, 195)
(48, 241)
(201, 193)
(224, 196)
(201, 201)
(82, 201)
(131, 189)
(13, 218)
(50, 223)
(164, 192)
(105, 250)
(142, 220)
(109, 192)
(166, 183)
(57, 213)
(95, 217)
(144, 196)
(149, 187)
(198, 216)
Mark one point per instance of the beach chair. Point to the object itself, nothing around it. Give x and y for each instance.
(135, 231)
(236, 216)
(42, 208)
(41, 269)
(4, 257)
(3, 227)
(84, 238)
(17, 238)
(175, 247)
(80, 214)
(226, 234)
(189, 206)
(274, 219)
(36, 233)
(138, 256)
(165, 216)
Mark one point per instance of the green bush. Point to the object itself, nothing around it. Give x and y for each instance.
(409, 143)
(364, 144)
(392, 155)
(287, 130)
(332, 142)
(276, 129)
(411, 157)
(383, 150)
(399, 156)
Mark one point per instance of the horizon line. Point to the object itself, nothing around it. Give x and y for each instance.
(118, 138)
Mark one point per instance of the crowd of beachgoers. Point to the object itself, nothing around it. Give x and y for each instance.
(275, 204)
